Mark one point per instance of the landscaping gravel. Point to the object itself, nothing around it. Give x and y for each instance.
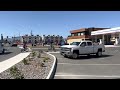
(33, 70)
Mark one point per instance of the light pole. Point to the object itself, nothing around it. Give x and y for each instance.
(1, 38)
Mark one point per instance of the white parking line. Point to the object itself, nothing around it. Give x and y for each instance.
(88, 64)
(54, 52)
(101, 58)
(57, 75)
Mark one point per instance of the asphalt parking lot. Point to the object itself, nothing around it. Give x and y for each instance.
(12, 51)
(105, 67)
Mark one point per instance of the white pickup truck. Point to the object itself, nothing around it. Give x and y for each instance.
(81, 48)
(2, 50)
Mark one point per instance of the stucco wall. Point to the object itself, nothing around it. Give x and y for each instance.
(73, 40)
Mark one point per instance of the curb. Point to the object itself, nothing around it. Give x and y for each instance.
(53, 69)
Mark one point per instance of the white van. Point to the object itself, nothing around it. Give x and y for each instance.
(2, 50)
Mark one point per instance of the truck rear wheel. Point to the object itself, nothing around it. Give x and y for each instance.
(65, 56)
(88, 55)
(99, 53)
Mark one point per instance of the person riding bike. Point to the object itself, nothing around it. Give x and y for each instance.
(24, 46)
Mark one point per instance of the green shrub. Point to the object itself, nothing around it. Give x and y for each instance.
(30, 59)
(42, 57)
(39, 55)
(14, 71)
(25, 61)
(33, 54)
(46, 59)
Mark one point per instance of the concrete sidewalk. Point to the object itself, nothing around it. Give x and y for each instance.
(6, 64)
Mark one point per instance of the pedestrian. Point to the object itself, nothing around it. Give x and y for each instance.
(24, 46)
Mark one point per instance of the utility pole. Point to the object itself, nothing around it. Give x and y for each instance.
(1, 37)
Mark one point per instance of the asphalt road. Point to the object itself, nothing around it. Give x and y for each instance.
(105, 67)
(12, 51)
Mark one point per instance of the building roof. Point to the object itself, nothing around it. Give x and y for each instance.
(85, 29)
(106, 31)
(78, 30)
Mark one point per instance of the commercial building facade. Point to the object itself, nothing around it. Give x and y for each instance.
(94, 35)
(108, 36)
(81, 34)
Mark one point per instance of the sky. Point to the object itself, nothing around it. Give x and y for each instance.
(54, 22)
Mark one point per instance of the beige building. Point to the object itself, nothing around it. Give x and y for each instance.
(32, 39)
(55, 38)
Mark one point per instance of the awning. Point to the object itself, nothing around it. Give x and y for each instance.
(106, 31)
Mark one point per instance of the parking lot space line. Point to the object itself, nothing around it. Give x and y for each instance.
(89, 64)
(101, 58)
(61, 58)
(54, 52)
(57, 75)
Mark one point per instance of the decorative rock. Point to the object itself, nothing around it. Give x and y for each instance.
(31, 71)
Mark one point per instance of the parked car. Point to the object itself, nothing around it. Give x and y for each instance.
(14, 45)
(81, 48)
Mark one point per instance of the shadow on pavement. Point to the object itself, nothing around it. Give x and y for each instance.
(92, 56)
(6, 53)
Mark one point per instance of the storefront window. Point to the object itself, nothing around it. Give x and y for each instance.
(72, 34)
(82, 33)
(76, 34)
(79, 34)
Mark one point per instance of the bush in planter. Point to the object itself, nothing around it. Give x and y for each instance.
(30, 58)
(25, 61)
(14, 71)
(33, 54)
(39, 55)
(46, 59)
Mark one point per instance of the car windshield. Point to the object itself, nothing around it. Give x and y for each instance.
(75, 43)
